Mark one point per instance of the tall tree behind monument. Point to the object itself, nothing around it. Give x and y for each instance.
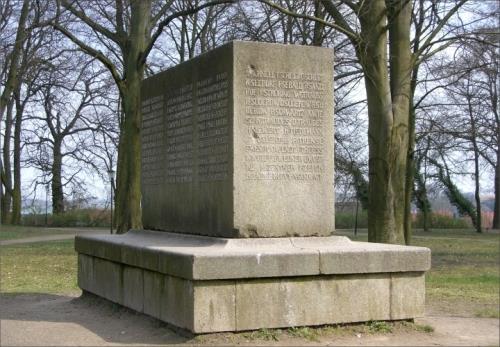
(26, 49)
(10, 66)
(381, 30)
(130, 36)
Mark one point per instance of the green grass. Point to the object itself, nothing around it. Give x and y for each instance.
(10, 232)
(465, 268)
(46, 267)
(379, 327)
(263, 334)
(488, 313)
(307, 333)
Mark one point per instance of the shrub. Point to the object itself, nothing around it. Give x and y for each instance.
(347, 220)
(438, 220)
(443, 221)
(88, 217)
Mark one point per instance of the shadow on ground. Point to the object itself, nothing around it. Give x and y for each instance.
(100, 322)
(29, 319)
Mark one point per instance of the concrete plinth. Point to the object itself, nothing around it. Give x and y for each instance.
(207, 284)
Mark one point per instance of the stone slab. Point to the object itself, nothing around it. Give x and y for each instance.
(207, 258)
(133, 291)
(238, 142)
(153, 290)
(177, 302)
(405, 306)
(108, 281)
(215, 306)
(247, 304)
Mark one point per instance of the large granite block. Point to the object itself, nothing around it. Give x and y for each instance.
(153, 290)
(238, 142)
(207, 284)
(86, 277)
(207, 258)
(404, 306)
(204, 306)
(215, 306)
(133, 293)
(108, 281)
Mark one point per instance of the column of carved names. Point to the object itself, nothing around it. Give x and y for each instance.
(284, 118)
(179, 135)
(153, 135)
(213, 128)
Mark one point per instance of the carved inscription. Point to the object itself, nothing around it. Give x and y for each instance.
(213, 128)
(179, 135)
(284, 120)
(185, 133)
(153, 135)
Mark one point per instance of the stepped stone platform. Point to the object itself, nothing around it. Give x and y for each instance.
(237, 158)
(209, 284)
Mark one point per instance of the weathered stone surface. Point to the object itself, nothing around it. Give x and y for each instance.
(177, 302)
(246, 304)
(153, 290)
(214, 306)
(360, 298)
(271, 303)
(133, 288)
(86, 277)
(313, 300)
(108, 280)
(238, 142)
(207, 258)
(407, 295)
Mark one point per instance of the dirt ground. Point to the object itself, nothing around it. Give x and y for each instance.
(58, 320)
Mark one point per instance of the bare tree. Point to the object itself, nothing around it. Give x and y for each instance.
(68, 102)
(378, 30)
(32, 56)
(127, 31)
(12, 64)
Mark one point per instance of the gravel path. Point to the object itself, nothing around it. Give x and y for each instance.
(58, 320)
(56, 237)
(69, 320)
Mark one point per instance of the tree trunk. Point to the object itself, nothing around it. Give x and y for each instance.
(381, 222)
(7, 169)
(475, 148)
(57, 187)
(14, 59)
(401, 65)
(421, 198)
(410, 162)
(479, 227)
(16, 192)
(319, 28)
(496, 212)
(128, 199)
(388, 107)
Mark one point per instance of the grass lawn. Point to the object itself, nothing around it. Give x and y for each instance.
(464, 278)
(45, 267)
(465, 274)
(9, 232)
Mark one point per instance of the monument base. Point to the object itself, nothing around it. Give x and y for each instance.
(207, 284)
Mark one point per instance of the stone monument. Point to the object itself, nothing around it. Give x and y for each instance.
(238, 203)
(238, 142)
